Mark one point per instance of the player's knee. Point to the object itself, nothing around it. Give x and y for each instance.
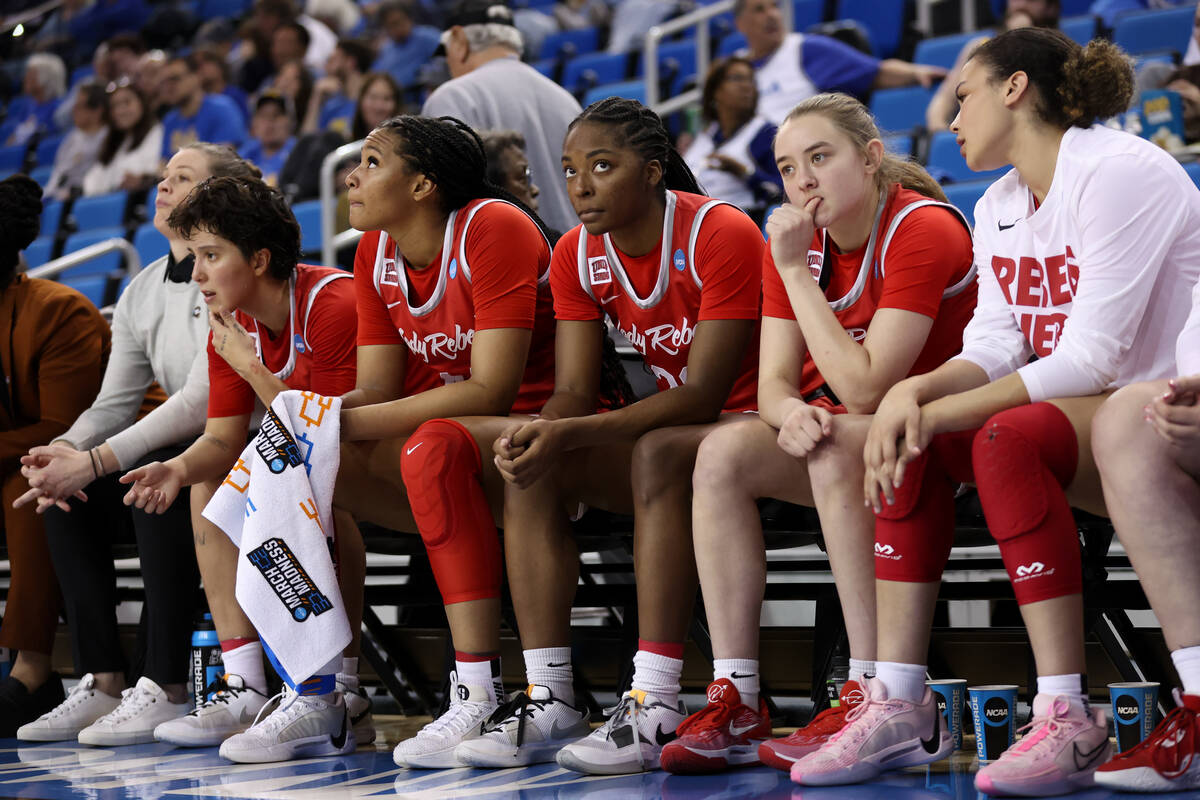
(440, 455)
(1011, 478)
(1119, 425)
(662, 461)
(719, 460)
(908, 493)
(837, 458)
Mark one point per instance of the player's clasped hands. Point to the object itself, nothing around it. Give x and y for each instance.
(525, 450)
(56, 473)
(1175, 415)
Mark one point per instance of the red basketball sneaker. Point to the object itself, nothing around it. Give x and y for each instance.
(723, 734)
(782, 753)
(1168, 761)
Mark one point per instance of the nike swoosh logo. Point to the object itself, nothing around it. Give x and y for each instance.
(247, 716)
(555, 666)
(933, 742)
(738, 730)
(410, 450)
(339, 741)
(562, 733)
(1004, 227)
(739, 675)
(607, 300)
(1085, 759)
(393, 305)
(662, 737)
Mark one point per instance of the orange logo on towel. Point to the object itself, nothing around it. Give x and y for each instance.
(240, 466)
(323, 404)
(309, 507)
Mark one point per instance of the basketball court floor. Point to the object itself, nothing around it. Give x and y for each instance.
(145, 772)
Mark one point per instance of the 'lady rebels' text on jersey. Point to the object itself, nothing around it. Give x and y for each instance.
(918, 258)
(492, 272)
(315, 351)
(707, 267)
(1095, 280)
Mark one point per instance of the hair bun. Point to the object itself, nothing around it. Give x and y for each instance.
(1097, 82)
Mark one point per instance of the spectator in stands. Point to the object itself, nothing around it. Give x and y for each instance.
(295, 82)
(271, 139)
(106, 19)
(507, 166)
(132, 149)
(195, 115)
(1088, 250)
(80, 149)
(124, 52)
(148, 78)
(340, 16)
(790, 67)
(334, 96)
(407, 46)
(420, 181)
(490, 88)
(216, 78)
(1018, 14)
(32, 112)
(379, 99)
(268, 15)
(1146, 438)
(574, 15)
(732, 157)
(247, 246)
(632, 18)
(289, 42)
(830, 351)
(695, 326)
(159, 331)
(55, 344)
(55, 33)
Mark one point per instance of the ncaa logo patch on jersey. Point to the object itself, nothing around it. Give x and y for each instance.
(679, 260)
(453, 268)
(599, 271)
(298, 341)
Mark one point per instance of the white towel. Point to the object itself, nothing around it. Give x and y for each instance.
(276, 505)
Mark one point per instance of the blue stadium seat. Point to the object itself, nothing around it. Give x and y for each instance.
(898, 110)
(900, 145)
(1081, 29)
(41, 174)
(1147, 31)
(942, 51)
(600, 68)
(683, 53)
(945, 157)
(883, 19)
(100, 211)
(584, 40)
(101, 265)
(1193, 171)
(766, 216)
(731, 44)
(308, 214)
(47, 148)
(90, 286)
(12, 157)
(51, 217)
(150, 244)
(634, 90)
(546, 66)
(965, 195)
(39, 250)
(806, 13)
(222, 8)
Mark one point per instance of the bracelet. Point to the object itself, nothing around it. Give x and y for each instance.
(93, 458)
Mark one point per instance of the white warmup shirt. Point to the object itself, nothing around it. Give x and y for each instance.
(1096, 281)
(1187, 349)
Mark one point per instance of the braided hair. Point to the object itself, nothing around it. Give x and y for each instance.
(642, 130)
(448, 152)
(21, 210)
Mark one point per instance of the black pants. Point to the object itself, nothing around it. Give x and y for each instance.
(81, 547)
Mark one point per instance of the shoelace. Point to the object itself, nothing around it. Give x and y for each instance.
(519, 707)
(133, 702)
(457, 718)
(627, 706)
(1178, 726)
(279, 713)
(76, 696)
(1047, 727)
(221, 693)
(862, 709)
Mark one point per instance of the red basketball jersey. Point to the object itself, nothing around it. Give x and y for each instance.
(707, 267)
(315, 351)
(492, 272)
(933, 273)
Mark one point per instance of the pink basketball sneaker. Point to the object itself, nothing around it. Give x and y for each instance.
(879, 735)
(1059, 754)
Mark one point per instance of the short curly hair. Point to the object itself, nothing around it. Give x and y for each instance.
(21, 210)
(248, 213)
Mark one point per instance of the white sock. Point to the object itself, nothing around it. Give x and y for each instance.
(743, 674)
(860, 669)
(551, 667)
(1187, 664)
(1069, 686)
(246, 662)
(349, 673)
(903, 681)
(657, 674)
(482, 673)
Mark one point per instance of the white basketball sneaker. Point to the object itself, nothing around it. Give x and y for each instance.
(433, 746)
(358, 705)
(232, 709)
(143, 708)
(530, 728)
(298, 726)
(630, 740)
(84, 705)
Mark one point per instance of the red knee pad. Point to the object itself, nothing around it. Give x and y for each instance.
(441, 466)
(914, 534)
(1023, 458)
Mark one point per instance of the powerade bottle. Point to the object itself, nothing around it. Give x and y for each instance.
(839, 673)
(206, 658)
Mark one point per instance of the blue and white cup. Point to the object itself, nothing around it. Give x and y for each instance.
(951, 697)
(1133, 705)
(993, 710)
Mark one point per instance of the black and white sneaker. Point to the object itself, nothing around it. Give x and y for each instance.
(232, 708)
(530, 728)
(630, 740)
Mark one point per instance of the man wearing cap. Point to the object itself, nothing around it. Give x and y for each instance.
(195, 115)
(271, 139)
(491, 88)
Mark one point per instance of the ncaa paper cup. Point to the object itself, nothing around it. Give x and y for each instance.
(992, 710)
(951, 701)
(1133, 707)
